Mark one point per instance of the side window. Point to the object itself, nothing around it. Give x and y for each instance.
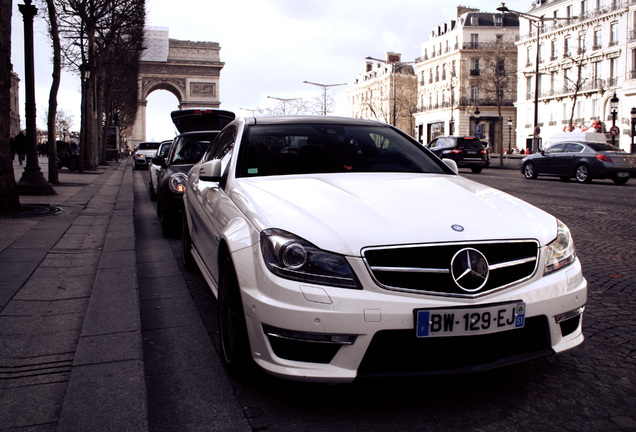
(573, 148)
(222, 143)
(557, 148)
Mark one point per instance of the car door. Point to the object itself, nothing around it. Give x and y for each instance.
(571, 158)
(549, 163)
(205, 215)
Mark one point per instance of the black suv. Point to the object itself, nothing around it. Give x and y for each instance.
(467, 152)
(198, 128)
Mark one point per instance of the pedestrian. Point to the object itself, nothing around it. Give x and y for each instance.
(21, 146)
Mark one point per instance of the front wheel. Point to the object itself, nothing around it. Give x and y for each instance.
(529, 172)
(582, 174)
(235, 347)
(186, 247)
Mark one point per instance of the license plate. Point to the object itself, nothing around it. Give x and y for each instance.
(622, 174)
(470, 320)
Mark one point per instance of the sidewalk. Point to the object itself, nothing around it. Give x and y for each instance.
(71, 355)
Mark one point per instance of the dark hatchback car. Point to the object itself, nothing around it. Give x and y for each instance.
(198, 128)
(467, 152)
(582, 160)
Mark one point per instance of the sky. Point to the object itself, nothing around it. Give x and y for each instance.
(269, 48)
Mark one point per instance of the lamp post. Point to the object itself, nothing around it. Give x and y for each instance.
(509, 135)
(32, 181)
(284, 101)
(536, 21)
(394, 65)
(633, 113)
(614, 111)
(324, 89)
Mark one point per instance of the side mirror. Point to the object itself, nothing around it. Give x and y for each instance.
(210, 171)
(451, 164)
(160, 161)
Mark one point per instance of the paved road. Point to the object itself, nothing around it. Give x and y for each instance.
(590, 388)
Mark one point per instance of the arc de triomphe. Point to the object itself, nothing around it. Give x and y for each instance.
(189, 70)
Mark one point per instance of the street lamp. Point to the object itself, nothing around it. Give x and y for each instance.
(394, 65)
(509, 135)
(324, 89)
(538, 22)
(614, 111)
(633, 113)
(32, 181)
(284, 101)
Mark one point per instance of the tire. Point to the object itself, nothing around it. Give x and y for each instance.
(476, 170)
(620, 180)
(529, 172)
(168, 223)
(235, 346)
(186, 247)
(151, 189)
(582, 174)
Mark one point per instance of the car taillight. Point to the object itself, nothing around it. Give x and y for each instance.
(484, 151)
(603, 158)
(457, 151)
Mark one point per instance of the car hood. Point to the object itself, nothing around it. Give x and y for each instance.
(345, 213)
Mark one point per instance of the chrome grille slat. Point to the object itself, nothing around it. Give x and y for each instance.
(426, 268)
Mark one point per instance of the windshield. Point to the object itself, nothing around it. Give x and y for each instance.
(311, 149)
(149, 145)
(190, 148)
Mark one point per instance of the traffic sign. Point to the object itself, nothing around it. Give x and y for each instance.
(614, 131)
(537, 130)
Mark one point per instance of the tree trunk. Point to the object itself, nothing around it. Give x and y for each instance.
(9, 199)
(55, 85)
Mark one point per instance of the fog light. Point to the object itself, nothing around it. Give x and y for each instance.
(569, 321)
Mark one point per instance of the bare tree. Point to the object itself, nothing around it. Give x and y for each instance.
(9, 199)
(498, 80)
(55, 85)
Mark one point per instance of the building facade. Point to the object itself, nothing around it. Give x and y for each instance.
(386, 91)
(14, 105)
(587, 54)
(466, 78)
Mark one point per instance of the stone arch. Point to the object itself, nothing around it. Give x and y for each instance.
(187, 69)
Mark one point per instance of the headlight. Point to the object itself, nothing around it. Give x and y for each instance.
(561, 251)
(178, 182)
(291, 257)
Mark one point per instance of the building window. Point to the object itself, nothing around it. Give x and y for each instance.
(583, 9)
(581, 43)
(566, 47)
(474, 68)
(613, 34)
(552, 82)
(553, 49)
(474, 41)
(528, 88)
(613, 71)
(597, 39)
(499, 20)
(501, 67)
(474, 95)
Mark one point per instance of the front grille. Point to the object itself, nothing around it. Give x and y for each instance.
(401, 352)
(427, 268)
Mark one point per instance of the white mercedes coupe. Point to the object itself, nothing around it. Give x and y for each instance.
(341, 248)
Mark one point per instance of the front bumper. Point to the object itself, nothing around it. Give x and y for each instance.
(318, 333)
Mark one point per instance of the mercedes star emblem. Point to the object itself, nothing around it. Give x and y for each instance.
(469, 269)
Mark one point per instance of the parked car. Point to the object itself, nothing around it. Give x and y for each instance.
(67, 155)
(162, 151)
(144, 152)
(341, 248)
(583, 160)
(468, 152)
(198, 128)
